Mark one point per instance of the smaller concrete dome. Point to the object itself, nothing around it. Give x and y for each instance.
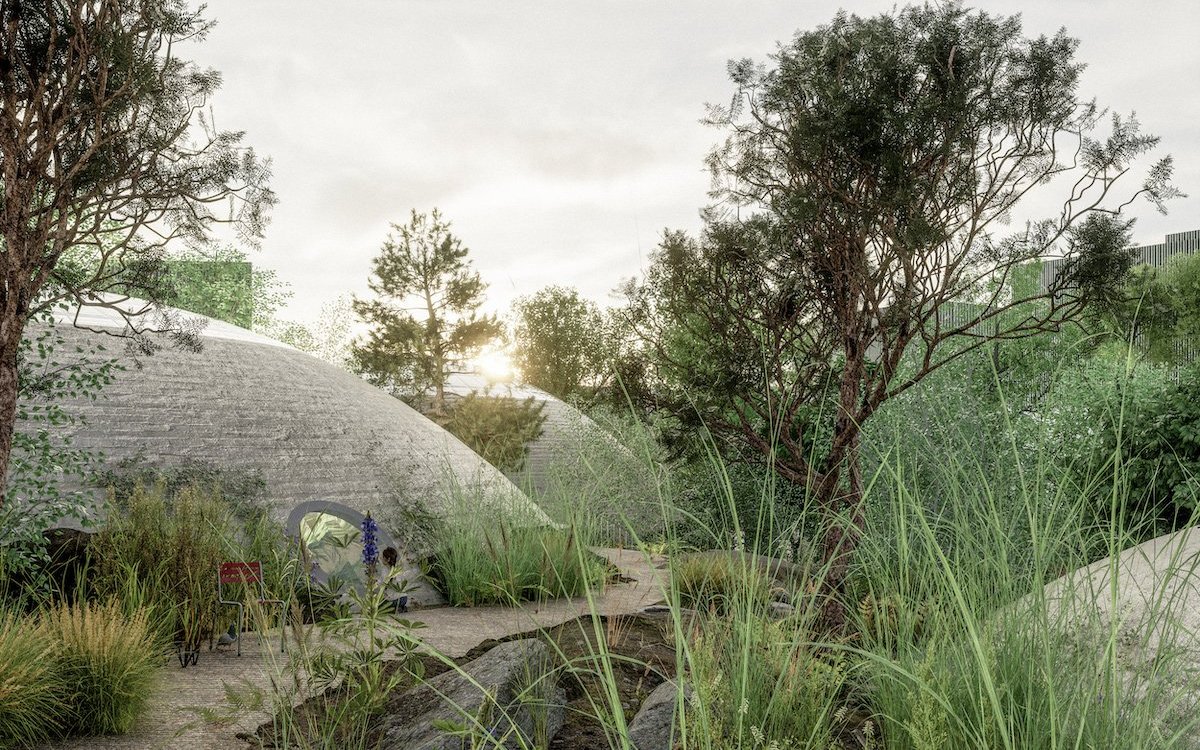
(577, 461)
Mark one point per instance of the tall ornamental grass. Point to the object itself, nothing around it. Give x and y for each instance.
(159, 552)
(971, 651)
(75, 670)
(970, 629)
(107, 661)
(163, 554)
(970, 625)
(500, 562)
(606, 472)
(720, 584)
(962, 642)
(31, 686)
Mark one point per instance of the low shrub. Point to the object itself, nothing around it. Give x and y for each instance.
(1154, 432)
(107, 661)
(727, 502)
(498, 428)
(31, 687)
(245, 492)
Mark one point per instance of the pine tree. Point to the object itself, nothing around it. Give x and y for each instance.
(425, 320)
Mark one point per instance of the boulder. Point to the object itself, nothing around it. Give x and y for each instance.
(510, 692)
(653, 728)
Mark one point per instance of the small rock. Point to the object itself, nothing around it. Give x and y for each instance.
(654, 726)
(781, 611)
(656, 609)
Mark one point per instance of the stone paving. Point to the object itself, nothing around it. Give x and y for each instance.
(173, 719)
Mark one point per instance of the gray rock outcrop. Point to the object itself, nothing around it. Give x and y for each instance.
(510, 693)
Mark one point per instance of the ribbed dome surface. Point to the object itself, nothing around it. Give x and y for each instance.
(566, 431)
(311, 430)
(579, 463)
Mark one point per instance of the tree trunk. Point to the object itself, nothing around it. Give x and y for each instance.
(439, 396)
(835, 496)
(433, 335)
(8, 404)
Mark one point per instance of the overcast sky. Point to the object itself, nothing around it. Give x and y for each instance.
(561, 137)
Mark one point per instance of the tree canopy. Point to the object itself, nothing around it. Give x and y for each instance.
(562, 342)
(1161, 309)
(860, 237)
(425, 320)
(105, 149)
(330, 338)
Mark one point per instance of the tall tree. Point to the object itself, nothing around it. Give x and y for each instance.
(865, 184)
(562, 342)
(425, 320)
(104, 149)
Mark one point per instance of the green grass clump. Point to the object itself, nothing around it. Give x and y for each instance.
(108, 663)
(761, 682)
(162, 554)
(715, 583)
(31, 687)
(159, 552)
(74, 671)
(505, 564)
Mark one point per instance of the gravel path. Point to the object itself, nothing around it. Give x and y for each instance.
(173, 719)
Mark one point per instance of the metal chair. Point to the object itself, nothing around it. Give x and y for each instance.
(249, 574)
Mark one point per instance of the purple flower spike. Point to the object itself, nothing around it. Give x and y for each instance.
(370, 554)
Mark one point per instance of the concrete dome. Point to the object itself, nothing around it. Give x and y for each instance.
(578, 461)
(310, 430)
(566, 431)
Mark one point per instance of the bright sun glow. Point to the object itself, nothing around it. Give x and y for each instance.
(496, 365)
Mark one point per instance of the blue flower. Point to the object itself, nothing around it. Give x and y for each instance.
(370, 554)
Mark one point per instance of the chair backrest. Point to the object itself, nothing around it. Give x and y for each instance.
(240, 572)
